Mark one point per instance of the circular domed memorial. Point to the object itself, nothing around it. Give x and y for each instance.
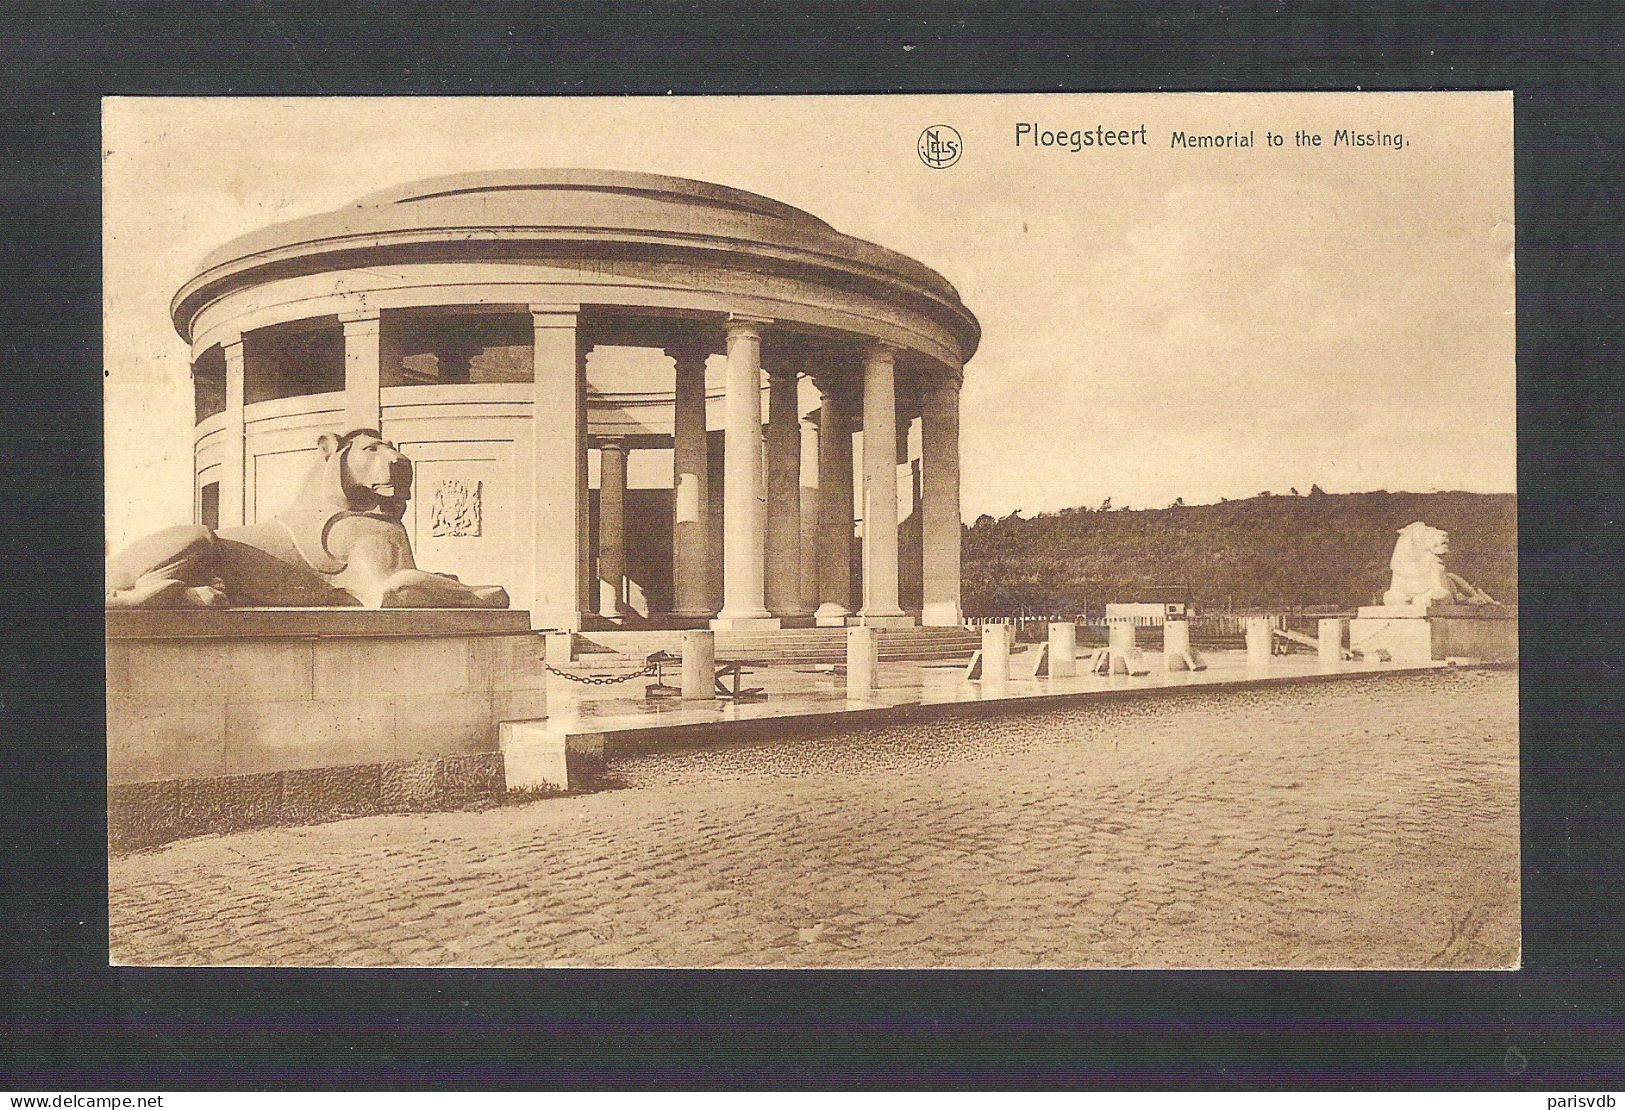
(508, 330)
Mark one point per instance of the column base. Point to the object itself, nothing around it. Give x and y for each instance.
(831, 616)
(744, 624)
(884, 620)
(942, 615)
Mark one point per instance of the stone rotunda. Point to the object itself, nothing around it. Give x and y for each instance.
(518, 332)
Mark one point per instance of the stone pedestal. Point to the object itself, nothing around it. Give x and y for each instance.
(1399, 630)
(217, 718)
(1420, 634)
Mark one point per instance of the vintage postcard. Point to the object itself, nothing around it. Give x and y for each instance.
(972, 531)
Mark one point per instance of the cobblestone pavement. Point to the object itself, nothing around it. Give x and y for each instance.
(1368, 823)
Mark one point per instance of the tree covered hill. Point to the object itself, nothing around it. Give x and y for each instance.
(1266, 551)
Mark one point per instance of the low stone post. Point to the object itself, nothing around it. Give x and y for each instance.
(1063, 649)
(699, 664)
(1120, 639)
(995, 653)
(1260, 641)
(862, 661)
(1176, 647)
(1332, 630)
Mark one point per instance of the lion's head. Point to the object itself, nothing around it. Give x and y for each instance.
(1418, 566)
(1419, 546)
(360, 472)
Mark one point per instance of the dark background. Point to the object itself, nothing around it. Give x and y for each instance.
(67, 1022)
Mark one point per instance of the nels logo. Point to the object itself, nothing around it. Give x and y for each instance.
(940, 146)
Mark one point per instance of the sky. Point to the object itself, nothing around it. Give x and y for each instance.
(1159, 322)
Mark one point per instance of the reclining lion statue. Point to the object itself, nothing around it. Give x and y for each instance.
(1419, 574)
(341, 543)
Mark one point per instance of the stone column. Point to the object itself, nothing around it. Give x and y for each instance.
(690, 532)
(880, 606)
(361, 362)
(743, 588)
(715, 481)
(611, 528)
(559, 469)
(783, 496)
(834, 508)
(939, 493)
(233, 472)
(809, 513)
(586, 591)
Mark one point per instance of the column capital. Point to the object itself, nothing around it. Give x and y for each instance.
(230, 340)
(688, 353)
(874, 348)
(610, 443)
(741, 324)
(359, 316)
(555, 315)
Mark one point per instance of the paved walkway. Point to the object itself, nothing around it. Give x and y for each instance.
(1369, 823)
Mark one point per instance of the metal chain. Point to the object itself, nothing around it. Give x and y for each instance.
(603, 679)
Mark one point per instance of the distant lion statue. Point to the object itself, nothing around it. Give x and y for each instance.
(1419, 574)
(341, 543)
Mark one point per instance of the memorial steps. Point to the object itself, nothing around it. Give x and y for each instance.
(788, 646)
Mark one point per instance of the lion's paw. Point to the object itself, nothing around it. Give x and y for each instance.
(206, 597)
(491, 597)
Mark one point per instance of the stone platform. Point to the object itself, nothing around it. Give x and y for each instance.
(787, 646)
(600, 723)
(216, 718)
(1418, 633)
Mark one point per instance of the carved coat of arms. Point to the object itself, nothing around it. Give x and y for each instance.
(455, 508)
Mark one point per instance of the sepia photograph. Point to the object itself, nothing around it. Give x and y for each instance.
(835, 531)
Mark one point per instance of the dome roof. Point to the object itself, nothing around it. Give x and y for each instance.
(542, 212)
